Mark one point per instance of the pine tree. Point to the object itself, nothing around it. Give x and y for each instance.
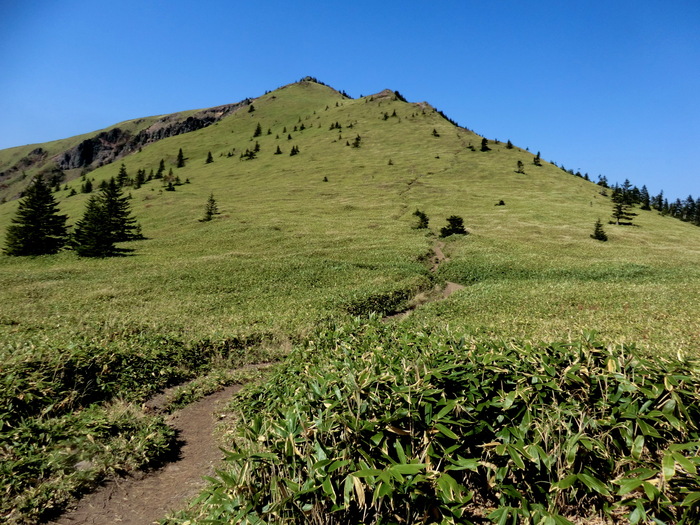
(258, 131)
(180, 159)
(210, 209)
(455, 225)
(598, 232)
(161, 169)
(621, 213)
(86, 187)
(536, 161)
(422, 220)
(92, 236)
(485, 145)
(122, 176)
(210, 159)
(37, 229)
(521, 167)
(509, 145)
(122, 224)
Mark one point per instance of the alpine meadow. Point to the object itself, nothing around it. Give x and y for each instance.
(461, 331)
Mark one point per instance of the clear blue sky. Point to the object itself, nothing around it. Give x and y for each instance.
(605, 87)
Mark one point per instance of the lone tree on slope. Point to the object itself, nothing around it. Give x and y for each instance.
(455, 225)
(210, 209)
(598, 232)
(37, 229)
(180, 159)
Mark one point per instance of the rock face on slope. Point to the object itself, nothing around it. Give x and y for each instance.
(110, 145)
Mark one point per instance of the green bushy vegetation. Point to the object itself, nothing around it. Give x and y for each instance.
(372, 423)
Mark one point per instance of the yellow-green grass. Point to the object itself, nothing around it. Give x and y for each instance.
(289, 249)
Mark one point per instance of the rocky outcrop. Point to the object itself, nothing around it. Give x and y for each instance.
(110, 145)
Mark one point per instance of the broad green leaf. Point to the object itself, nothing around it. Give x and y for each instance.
(638, 447)
(628, 485)
(668, 466)
(446, 431)
(691, 499)
(565, 483)
(594, 484)
(685, 463)
(407, 469)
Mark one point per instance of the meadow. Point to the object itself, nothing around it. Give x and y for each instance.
(302, 242)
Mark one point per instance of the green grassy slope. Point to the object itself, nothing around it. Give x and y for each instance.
(289, 248)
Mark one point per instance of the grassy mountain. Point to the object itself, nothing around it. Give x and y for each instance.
(302, 240)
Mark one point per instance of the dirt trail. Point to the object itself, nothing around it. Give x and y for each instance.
(145, 498)
(436, 294)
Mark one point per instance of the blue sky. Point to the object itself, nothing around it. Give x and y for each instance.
(604, 87)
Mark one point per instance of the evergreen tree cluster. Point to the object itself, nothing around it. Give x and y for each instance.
(38, 228)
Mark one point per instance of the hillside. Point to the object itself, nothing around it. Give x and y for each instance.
(313, 239)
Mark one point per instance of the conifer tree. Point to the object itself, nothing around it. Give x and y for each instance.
(121, 223)
(92, 236)
(210, 209)
(210, 159)
(180, 159)
(258, 131)
(485, 145)
(122, 176)
(422, 220)
(161, 169)
(455, 225)
(598, 232)
(37, 229)
(621, 212)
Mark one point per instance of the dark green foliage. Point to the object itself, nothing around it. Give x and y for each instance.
(106, 220)
(325, 179)
(485, 145)
(598, 232)
(210, 159)
(455, 226)
(248, 155)
(536, 161)
(399, 96)
(37, 228)
(86, 187)
(256, 148)
(122, 224)
(278, 151)
(92, 235)
(357, 142)
(140, 179)
(258, 131)
(122, 176)
(161, 170)
(422, 220)
(295, 151)
(622, 210)
(210, 209)
(521, 167)
(509, 145)
(180, 159)
(435, 133)
(251, 108)
(372, 423)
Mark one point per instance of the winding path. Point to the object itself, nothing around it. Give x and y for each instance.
(148, 497)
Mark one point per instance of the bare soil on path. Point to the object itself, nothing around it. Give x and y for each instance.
(147, 497)
(436, 294)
